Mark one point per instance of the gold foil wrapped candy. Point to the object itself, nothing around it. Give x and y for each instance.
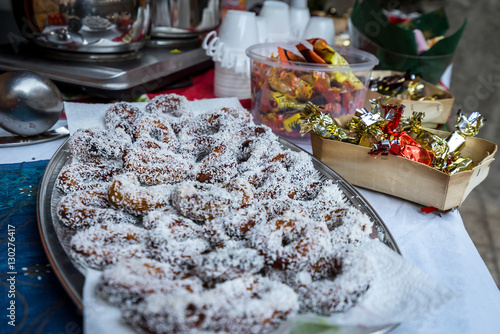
(386, 131)
(469, 126)
(320, 123)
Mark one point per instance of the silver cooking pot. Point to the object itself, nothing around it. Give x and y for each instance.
(88, 26)
(184, 18)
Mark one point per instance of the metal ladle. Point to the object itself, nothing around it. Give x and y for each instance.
(30, 104)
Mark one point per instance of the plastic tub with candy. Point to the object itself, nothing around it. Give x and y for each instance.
(281, 88)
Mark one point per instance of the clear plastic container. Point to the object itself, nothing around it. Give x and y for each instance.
(281, 89)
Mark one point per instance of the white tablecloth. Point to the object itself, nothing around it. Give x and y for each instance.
(436, 243)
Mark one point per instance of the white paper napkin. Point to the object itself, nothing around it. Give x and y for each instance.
(86, 116)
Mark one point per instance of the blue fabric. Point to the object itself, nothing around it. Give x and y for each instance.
(41, 304)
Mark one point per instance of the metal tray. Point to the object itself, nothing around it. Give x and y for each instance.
(55, 237)
(13, 140)
(148, 70)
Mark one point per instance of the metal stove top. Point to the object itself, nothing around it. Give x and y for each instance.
(120, 76)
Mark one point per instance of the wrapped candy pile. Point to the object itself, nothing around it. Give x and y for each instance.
(281, 91)
(405, 86)
(386, 131)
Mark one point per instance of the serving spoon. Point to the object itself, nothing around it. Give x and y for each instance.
(30, 104)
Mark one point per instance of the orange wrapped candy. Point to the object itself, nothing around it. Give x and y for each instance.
(283, 89)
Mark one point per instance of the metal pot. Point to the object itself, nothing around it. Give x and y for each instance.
(87, 26)
(184, 18)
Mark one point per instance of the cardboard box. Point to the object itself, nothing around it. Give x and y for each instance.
(436, 112)
(404, 178)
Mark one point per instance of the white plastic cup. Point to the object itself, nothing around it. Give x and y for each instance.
(276, 14)
(298, 4)
(262, 29)
(238, 30)
(299, 18)
(320, 27)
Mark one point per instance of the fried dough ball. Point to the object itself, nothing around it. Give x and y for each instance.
(169, 104)
(291, 241)
(131, 280)
(105, 244)
(305, 192)
(126, 192)
(156, 166)
(122, 115)
(254, 304)
(339, 292)
(250, 137)
(237, 224)
(179, 312)
(240, 115)
(154, 132)
(85, 208)
(201, 201)
(228, 261)
(243, 192)
(216, 163)
(97, 146)
(80, 176)
(175, 239)
(174, 108)
(217, 122)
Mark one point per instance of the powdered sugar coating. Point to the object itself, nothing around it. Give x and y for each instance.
(233, 233)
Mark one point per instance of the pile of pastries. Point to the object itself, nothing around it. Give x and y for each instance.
(204, 222)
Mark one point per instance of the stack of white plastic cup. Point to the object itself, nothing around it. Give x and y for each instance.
(279, 22)
(299, 17)
(274, 21)
(320, 27)
(227, 83)
(237, 32)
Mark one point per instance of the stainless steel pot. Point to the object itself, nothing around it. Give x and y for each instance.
(184, 18)
(87, 26)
